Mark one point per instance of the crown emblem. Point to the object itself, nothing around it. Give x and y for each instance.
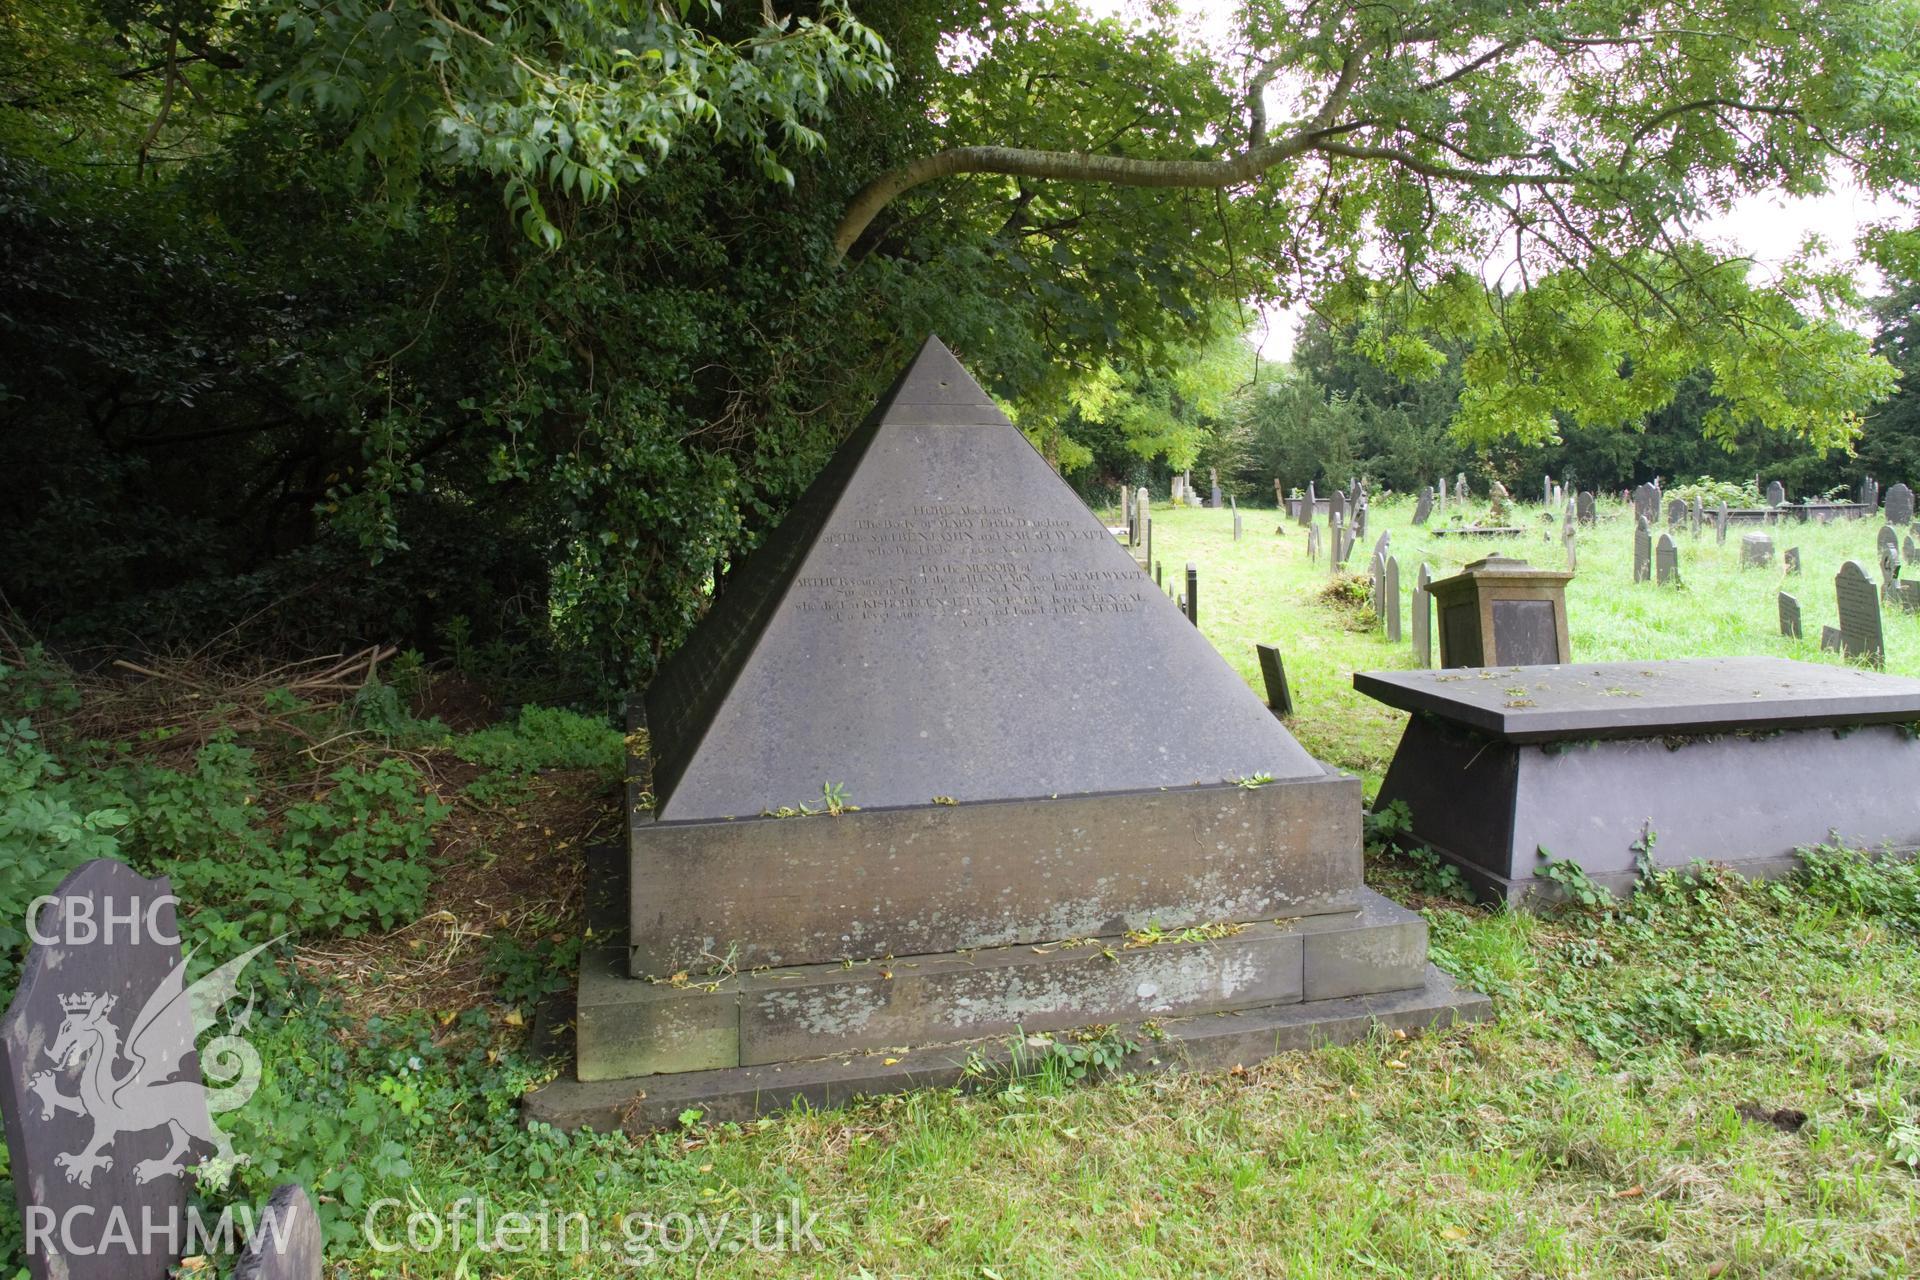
(78, 1003)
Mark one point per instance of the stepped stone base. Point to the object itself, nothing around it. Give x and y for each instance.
(1207, 1042)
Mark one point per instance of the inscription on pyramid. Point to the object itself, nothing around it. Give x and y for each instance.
(941, 616)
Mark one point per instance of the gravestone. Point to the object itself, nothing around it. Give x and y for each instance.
(1793, 559)
(1360, 517)
(1546, 490)
(1789, 615)
(1756, 550)
(106, 1110)
(1569, 542)
(1911, 550)
(1586, 507)
(1423, 617)
(1143, 506)
(1313, 543)
(1236, 518)
(1870, 495)
(1833, 640)
(1337, 532)
(1646, 503)
(1900, 505)
(1392, 597)
(1274, 674)
(1642, 550)
(1213, 484)
(1676, 511)
(286, 1241)
(1859, 615)
(1776, 494)
(1348, 537)
(1337, 507)
(1666, 560)
(1386, 539)
(1423, 509)
(1698, 514)
(1907, 596)
(1460, 487)
(1309, 509)
(1193, 594)
(1720, 524)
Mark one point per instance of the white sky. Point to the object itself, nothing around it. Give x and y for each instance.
(1767, 228)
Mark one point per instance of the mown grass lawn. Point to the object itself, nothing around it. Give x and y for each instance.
(1718, 1079)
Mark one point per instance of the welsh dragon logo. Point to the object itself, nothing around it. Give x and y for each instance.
(133, 1084)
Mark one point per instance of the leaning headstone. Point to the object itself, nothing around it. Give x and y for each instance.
(106, 1112)
(1423, 618)
(1423, 509)
(1756, 550)
(1360, 517)
(1793, 559)
(1274, 674)
(1720, 524)
(1676, 511)
(286, 1241)
(1313, 543)
(1586, 507)
(1642, 550)
(1887, 551)
(1392, 598)
(1666, 559)
(1377, 586)
(1789, 615)
(1900, 505)
(1859, 614)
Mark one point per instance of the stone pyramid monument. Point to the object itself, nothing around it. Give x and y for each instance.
(938, 723)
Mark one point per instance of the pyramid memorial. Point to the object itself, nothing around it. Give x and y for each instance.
(941, 768)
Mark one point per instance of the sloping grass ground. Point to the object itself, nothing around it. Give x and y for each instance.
(1714, 1079)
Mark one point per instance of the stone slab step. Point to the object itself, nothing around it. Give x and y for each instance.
(632, 1027)
(1209, 1042)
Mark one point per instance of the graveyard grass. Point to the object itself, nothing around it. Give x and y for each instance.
(1630, 1113)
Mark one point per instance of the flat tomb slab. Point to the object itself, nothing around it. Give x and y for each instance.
(959, 877)
(631, 1027)
(1208, 1042)
(1746, 800)
(1647, 699)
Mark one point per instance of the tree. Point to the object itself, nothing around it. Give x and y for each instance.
(1580, 140)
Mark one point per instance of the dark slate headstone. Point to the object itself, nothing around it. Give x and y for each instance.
(1789, 616)
(1697, 515)
(286, 1240)
(1586, 507)
(1377, 586)
(1860, 614)
(1642, 550)
(1646, 502)
(1213, 483)
(1423, 509)
(1720, 524)
(1385, 540)
(938, 552)
(1360, 518)
(1793, 559)
(1832, 640)
(1392, 599)
(1900, 505)
(1676, 511)
(1887, 552)
(1337, 507)
(1423, 618)
(1666, 559)
(1776, 494)
(1274, 673)
(89, 1125)
(1193, 594)
(1756, 550)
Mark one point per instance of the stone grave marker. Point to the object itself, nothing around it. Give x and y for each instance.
(1360, 518)
(1337, 531)
(1756, 550)
(1143, 505)
(1646, 500)
(1274, 674)
(1546, 490)
(1859, 603)
(1460, 488)
(1697, 514)
(1832, 640)
(1423, 617)
(1900, 505)
(1571, 545)
(1789, 615)
(1423, 509)
(1337, 507)
(1193, 593)
(1666, 559)
(1793, 559)
(1313, 543)
(1720, 524)
(1676, 511)
(286, 1241)
(1213, 484)
(1377, 588)
(1585, 507)
(1310, 508)
(1385, 540)
(1870, 495)
(1776, 494)
(1391, 582)
(1642, 550)
(1236, 518)
(1887, 552)
(1911, 550)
